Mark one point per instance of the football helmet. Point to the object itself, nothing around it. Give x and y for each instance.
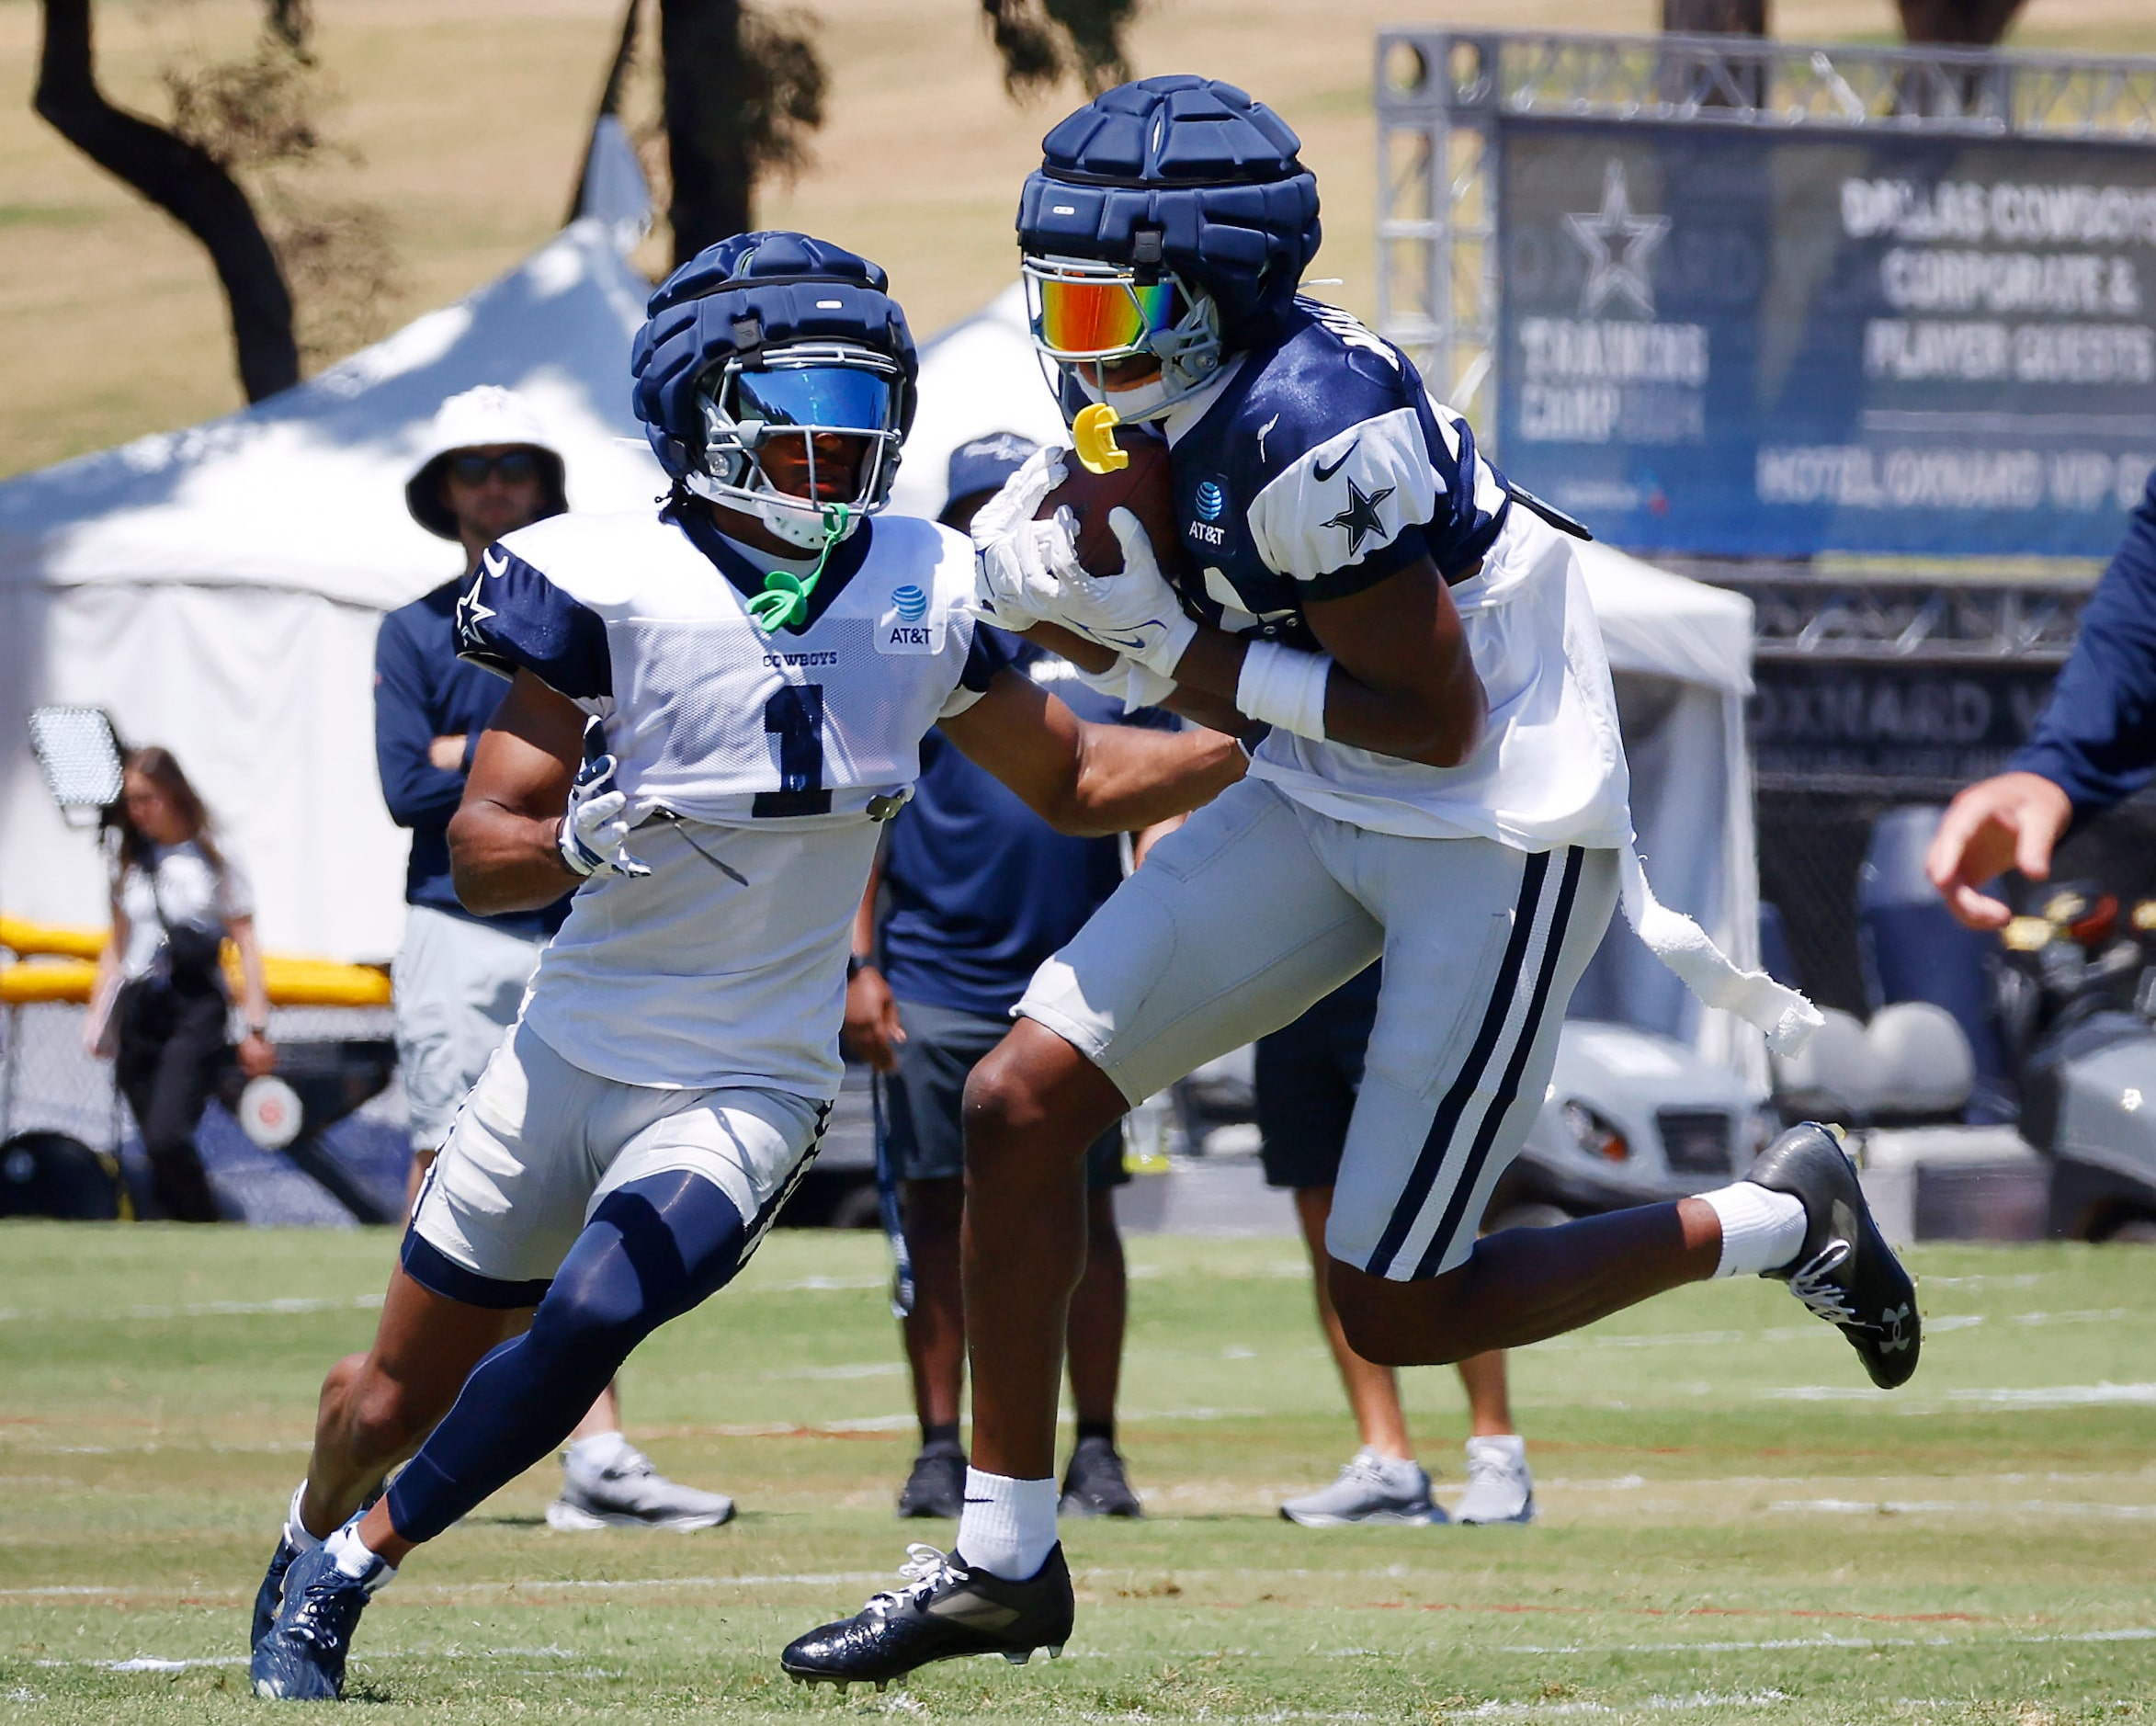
(762, 351)
(1169, 218)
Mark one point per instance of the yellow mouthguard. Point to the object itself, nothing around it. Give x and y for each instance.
(1093, 434)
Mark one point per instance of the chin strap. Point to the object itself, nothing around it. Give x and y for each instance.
(785, 598)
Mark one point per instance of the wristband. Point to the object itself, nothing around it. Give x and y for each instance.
(856, 963)
(1285, 687)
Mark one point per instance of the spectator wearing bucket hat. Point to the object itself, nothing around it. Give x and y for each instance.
(489, 468)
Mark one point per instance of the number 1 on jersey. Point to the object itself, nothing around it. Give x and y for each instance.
(795, 716)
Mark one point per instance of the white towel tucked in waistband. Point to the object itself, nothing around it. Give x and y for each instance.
(1786, 1017)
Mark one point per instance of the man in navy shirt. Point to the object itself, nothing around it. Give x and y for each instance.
(981, 891)
(460, 978)
(2094, 743)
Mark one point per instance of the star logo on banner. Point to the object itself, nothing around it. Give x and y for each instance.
(1360, 518)
(1619, 245)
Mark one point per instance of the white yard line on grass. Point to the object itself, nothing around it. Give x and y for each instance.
(194, 1309)
(2047, 1396)
(1959, 1507)
(2139, 1633)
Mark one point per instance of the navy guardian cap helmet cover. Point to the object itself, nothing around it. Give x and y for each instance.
(1214, 175)
(765, 331)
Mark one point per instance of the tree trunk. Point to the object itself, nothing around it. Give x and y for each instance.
(184, 182)
(1957, 23)
(707, 114)
(1715, 17)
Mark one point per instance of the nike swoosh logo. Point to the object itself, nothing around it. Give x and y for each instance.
(1133, 643)
(1325, 472)
(499, 565)
(975, 1609)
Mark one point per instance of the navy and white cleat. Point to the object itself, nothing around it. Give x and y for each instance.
(943, 1611)
(270, 1595)
(302, 1659)
(272, 1591)
(1844, 1272)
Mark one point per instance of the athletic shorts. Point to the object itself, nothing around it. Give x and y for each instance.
(1258, 907)
(538, 1144)
(458, 984)
(1308, 1075)
(923, 1098)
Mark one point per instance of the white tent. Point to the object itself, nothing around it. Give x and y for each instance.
(218, 590)
(1682, 651)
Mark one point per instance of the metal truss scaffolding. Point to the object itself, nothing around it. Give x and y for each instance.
(1441, 94)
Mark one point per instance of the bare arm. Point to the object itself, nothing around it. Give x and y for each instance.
(256, 1056)
(1215, 713)
(871, 1032)
(1403, 681)
(502, 839)
(1089, 779)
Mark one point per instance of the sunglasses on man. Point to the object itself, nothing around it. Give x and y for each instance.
(514, 467)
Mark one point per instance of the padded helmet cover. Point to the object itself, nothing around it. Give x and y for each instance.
(753, 291)
(1216, 173)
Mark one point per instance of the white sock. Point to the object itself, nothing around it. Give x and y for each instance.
(1508, 1447)
(352, 1555)
(296, 1531)
(597, 1453)
(1761, 1230)
(1008, 1527)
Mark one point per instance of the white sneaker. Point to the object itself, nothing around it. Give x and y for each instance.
(1500, 1488)
(629, 1493)
(1371, 1488)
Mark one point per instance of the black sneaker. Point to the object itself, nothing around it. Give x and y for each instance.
(1094, 1483)
(942, 1612)
(937, 1487)
(1845, 1272)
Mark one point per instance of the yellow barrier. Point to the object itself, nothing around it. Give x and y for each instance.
(67, 971)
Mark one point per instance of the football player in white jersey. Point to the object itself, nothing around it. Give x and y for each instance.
(1442, 785)
(759, 659)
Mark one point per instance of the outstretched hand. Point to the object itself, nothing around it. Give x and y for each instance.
(2009, 822)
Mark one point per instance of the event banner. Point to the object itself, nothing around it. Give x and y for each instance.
(1740, 343)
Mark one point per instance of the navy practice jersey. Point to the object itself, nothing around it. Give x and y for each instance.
(1318, 467)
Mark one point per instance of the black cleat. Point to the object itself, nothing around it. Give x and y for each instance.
(1095, 1485)
(1845, 1272)
(943, 1612)
(937, 1487)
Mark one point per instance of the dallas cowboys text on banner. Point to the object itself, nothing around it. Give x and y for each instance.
(1736, 344)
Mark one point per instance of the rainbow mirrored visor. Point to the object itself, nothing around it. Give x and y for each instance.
(1081, 309)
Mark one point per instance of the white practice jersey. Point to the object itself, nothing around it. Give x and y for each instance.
(749, 761)
(1318, 467)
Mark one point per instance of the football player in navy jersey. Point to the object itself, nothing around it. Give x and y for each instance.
(1442, 786)
(756, 663)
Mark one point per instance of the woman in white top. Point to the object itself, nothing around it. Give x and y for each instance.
(161, 1001)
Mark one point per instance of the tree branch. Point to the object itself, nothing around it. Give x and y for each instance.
(184, 182)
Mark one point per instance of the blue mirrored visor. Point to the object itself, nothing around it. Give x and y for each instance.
(843, 397)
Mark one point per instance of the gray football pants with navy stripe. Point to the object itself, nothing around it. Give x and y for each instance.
(1259, 907)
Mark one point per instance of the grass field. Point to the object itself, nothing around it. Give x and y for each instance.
(1732, 1528)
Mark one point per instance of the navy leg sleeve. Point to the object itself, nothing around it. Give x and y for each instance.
(655, 1248)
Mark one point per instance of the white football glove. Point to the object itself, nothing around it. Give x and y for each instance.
(1004, 531)
(593, 838)
(1136, 612)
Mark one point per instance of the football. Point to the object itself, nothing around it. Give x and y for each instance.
(1144, 488)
